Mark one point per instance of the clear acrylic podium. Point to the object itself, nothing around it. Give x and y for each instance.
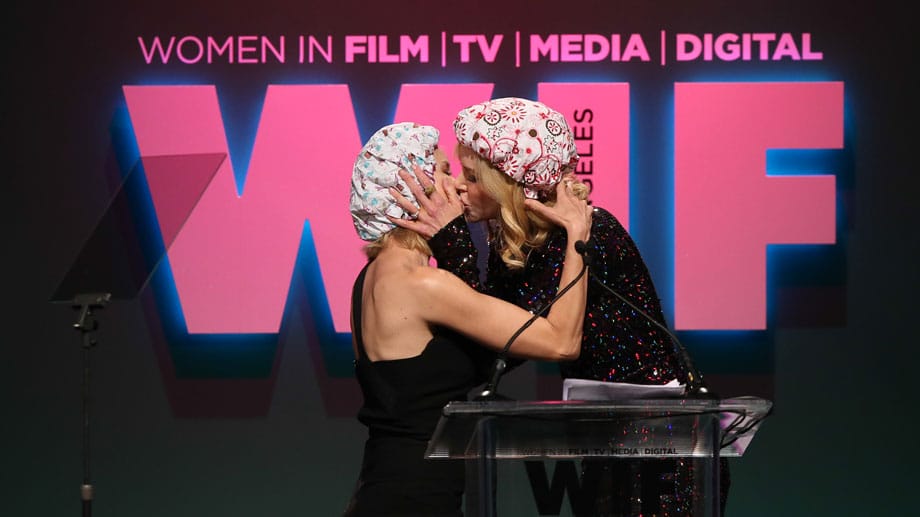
(705, 429)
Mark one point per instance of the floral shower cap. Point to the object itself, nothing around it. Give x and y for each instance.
(525, 139)
(394, 147)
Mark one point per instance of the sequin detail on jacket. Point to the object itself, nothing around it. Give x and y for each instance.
(619, 344)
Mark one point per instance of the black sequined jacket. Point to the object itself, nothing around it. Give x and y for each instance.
(619, 344)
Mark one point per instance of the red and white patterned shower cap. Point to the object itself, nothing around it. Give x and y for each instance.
(525, 139)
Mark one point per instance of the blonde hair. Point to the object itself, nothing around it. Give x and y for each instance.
(401, 237)
(517, 229)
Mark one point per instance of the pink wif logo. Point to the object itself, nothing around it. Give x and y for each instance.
(233, 255)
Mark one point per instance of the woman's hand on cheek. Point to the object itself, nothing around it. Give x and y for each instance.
(569, 212)
(439, 203)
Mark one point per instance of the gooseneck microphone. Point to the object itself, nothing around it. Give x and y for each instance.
(695, 385)
(498, 368)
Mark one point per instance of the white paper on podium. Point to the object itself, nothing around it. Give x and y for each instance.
(584, 389)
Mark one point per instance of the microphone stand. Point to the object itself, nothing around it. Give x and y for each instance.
(86, 324)
(498, 369)
(696, 388)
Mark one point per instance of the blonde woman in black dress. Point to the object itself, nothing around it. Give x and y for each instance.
(423, 337)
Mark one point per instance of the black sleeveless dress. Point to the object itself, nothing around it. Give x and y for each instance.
(403, 400)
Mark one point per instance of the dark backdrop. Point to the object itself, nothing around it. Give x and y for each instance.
(174, 436)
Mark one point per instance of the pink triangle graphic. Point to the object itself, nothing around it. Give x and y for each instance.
(176, 184)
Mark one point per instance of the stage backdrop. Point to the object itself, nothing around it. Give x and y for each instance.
(193, 159)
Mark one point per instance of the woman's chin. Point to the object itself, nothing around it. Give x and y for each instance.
(471, 217)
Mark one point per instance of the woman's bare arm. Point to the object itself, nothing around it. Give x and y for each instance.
(491, 321)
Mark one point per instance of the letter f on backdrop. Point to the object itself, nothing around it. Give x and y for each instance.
(727, 209)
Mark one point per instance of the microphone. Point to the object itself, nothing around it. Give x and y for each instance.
(498, 368)
(695, 385)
